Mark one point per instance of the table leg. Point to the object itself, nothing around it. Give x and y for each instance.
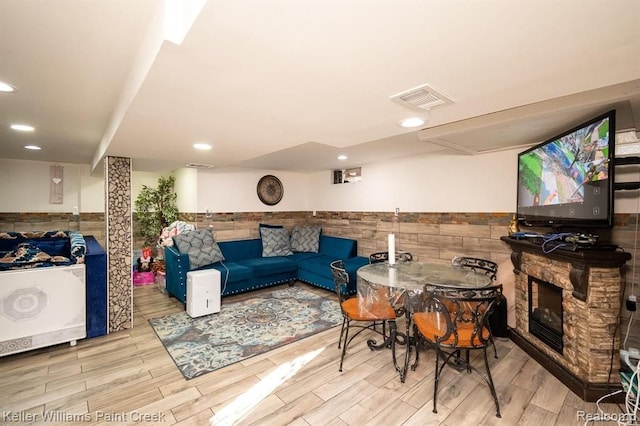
(387, 343)
(411, 342)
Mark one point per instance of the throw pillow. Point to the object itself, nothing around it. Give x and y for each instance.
(200, 247)
(25, 253)
(275, 242)
(305, 238)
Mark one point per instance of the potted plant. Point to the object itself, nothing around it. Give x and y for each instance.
(156, 208)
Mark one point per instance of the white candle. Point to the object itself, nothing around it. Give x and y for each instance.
(392, 277)
(392, 249)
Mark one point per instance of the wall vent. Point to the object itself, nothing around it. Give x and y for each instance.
(199, 166)
(422, 97)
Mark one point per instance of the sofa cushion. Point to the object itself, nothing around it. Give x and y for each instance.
(200, 247)
(319, 265)
(341, 248)
(234, 251)
(269, 265)
(275, 242)
(236, 272)
(352, 265)
(305, 238)
(299, 257)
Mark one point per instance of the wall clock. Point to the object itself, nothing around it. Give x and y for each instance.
(270, 190)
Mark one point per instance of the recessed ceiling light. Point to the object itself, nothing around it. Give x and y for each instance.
(342, 157)
(412, 122)
(22, 127)
(32, 147)
(202, 146)
(6, 87)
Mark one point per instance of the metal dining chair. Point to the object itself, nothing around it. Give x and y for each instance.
(383, 256)
(477, 265)
(481, 266)
(368, 314)
(447, 325)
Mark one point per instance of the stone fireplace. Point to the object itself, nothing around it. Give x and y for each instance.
(567, 308)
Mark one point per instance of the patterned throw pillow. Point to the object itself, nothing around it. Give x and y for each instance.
(200, 247)
(78, 247)
(25, 253)
(305, 239)
(275, 242)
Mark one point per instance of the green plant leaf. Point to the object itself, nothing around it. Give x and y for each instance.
(156, 208)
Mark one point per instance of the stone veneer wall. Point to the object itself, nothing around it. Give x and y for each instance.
(119, 239)
(588, 325)
(429, 236)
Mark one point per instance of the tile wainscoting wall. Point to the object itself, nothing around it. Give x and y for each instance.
(428, 236)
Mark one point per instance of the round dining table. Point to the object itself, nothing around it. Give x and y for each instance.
(402, 284)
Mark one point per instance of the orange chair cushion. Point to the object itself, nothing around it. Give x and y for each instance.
(432, 325)
(358, 311)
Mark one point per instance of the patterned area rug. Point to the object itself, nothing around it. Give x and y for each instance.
(244, 329)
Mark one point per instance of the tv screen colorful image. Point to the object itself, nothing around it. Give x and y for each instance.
(567, 180)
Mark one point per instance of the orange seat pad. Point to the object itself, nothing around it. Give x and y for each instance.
(432, 325)
(358, 311)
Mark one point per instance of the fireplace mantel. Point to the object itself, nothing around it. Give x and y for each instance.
(592, 287)
(580, 261)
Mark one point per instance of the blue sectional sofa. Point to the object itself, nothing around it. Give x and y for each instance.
(245, 269)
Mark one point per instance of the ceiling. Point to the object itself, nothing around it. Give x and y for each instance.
(288, 85)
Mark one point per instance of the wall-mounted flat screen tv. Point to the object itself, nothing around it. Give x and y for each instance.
(567, 181)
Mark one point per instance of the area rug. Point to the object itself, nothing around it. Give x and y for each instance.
(244, 329)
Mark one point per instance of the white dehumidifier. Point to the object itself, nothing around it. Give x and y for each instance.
(203, 292)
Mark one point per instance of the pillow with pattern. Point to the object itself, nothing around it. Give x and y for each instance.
(200, 247)
(275, 242)
(305, 238)
(25, 253)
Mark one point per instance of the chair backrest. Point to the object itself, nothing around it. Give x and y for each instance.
(340, 279)
(478, 265)
(459, 308)
(383, 256)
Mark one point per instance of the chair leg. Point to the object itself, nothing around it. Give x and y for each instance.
(416, 335)
(344, 322)
(437, 379)
(495, 350)
(344, 345)
(490, 380)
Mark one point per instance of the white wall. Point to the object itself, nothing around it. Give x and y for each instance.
(441, 183)
(24, 186)
(92, 193)
(428, 183)
(235, 190)
(187, 189)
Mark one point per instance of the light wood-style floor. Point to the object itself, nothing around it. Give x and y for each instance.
(127, 377)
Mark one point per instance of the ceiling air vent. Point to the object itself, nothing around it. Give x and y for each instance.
(422, 97)
(199, 166)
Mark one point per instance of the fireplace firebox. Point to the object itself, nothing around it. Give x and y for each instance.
(545, 313)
